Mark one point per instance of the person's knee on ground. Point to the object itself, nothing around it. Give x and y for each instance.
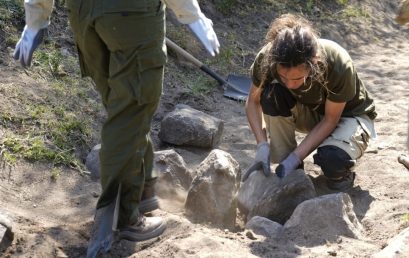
(334, 162)
(336, 165)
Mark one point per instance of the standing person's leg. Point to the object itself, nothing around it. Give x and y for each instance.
(94, 57)
(339, 152)
(125, 57)
(136, 42)
(94, 62)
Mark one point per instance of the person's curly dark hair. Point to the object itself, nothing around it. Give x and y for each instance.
(293, 41)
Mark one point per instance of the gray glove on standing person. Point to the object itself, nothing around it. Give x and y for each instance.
(37, 20)
(30, 39)
(287, 165)
(261, 161)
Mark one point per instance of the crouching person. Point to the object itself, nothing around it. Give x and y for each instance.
(307, 84)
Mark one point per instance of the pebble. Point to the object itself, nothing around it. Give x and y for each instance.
(250, 235)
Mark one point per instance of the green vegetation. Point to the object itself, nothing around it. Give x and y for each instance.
(10, 10)
(202, 85)
(406, 217)
(354, 11)
(225, 59)
(11, 13)
(47, 137)
(310, 5)
(55, 173)
(50, 59)
(54, 122)
(342, 2)
(225, 6)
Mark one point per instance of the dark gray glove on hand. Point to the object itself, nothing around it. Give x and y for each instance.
(29, 41)
(261, 161)
(289, 164)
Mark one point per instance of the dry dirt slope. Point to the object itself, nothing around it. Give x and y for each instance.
(53, 218)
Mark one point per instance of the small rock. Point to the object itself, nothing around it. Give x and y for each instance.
(402, 159)
(95, 194)
(332, 253)
(250, 235)
(60, 254)
(92, 162)
(265, 227)
(374, 151)
(199, 129)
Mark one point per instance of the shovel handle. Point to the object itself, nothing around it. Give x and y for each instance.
(195, 61)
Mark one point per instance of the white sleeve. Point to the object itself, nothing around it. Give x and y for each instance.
(186, 11)
(38, 13)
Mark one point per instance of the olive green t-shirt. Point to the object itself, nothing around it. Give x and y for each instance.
(343, 83)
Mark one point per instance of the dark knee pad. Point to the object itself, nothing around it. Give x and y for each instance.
(333, 161)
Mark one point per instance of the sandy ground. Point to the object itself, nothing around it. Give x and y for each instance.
(53, 218)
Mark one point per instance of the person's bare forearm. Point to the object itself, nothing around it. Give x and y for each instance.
(255, 117)
(322, 130)
(318, 134)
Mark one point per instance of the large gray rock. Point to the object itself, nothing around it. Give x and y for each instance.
(187, 126)
(265, 227)
(6, 231)
(398, 246)
(322, 219)
(92, 162)
(272, 197)
(172, 169)
(170, 165)
(211, 197)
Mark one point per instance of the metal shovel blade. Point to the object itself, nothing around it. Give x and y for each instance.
(241, 87)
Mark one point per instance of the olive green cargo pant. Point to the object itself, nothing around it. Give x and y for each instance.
(352, 134)
(121, 47)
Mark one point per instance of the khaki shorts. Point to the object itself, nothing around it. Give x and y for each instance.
(352, 134)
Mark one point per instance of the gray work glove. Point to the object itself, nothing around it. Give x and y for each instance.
(261, 161)
(30, 39)
(289, 164)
